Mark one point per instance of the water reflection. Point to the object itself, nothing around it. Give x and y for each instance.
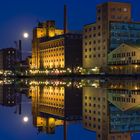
(109, 107)
(55, 105)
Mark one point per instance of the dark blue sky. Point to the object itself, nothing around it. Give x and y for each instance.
(17, 16)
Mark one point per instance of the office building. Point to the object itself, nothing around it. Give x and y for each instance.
(113, 27)
(7, 61)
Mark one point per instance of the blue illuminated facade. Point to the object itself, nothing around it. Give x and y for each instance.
(124, 121)
(122, 32)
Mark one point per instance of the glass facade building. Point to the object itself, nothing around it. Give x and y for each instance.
(124, 121)
(124, 32)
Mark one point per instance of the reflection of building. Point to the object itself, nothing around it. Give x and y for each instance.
(124, 106)
(54, 105)
(7, 95)
(47, 125)
(7, 61)
(124, 59)
(95, 115)
(112, 111)
(112, 28)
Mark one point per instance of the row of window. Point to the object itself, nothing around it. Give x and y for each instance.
(58, 109)
(52, 55)
(94, 98)
(94, 35)
(52, 50)
(54, 66)
(94, 49)
(121, 99)
(125, 26)
(95, 55)
(53, 93)
(125, 34)
(124, 54)
(91, 29)
(52, 99)
(94, 125)
(94, 112)
(58, 60)
(119, 17)
(94, 42)
(54, 104)
(125, 62)
(94, 105)
(56, 44)
(114, 9)
(133, 92)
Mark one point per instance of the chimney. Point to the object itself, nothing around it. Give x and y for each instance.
(20, 50)
(65, 19)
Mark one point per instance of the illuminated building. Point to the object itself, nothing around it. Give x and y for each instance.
(112, 109)
(55, 48)
(125, 59)
(113, 27)
(8, 61)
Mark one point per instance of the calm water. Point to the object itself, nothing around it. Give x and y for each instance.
(68, 109)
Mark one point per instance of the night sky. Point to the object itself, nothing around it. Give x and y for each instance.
(17, 16)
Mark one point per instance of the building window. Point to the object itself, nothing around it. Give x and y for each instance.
(99, 18)
(89, 36)
(89, 29)
(99, 10)
(125, 9)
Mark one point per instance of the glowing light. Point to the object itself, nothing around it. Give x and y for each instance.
(25, 35)
(25, 119)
